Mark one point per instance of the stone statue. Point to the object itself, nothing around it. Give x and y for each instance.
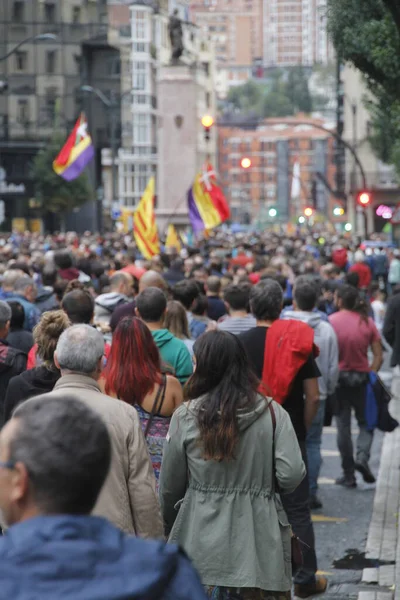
(175, 31)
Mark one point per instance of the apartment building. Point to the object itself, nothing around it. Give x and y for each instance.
(273, 149)
(54, 48)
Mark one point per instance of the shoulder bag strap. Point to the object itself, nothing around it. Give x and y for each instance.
(160, 394)
(273, 418)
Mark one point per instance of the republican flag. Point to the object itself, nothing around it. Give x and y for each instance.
(172, 240)
(144, 223)
(207, 204)
(76, 153)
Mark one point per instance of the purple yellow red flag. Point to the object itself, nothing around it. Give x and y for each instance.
(144, 223)
(76, 153)
(207, 204)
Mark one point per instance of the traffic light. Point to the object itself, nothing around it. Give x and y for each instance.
(308, 212)
(207, 122)
(364, 199)
(245, 163)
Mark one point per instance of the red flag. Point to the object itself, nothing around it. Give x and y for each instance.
(65, 151)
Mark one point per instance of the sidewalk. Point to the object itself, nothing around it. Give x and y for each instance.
(382, 582)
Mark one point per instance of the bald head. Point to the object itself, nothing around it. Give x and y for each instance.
(152, 279)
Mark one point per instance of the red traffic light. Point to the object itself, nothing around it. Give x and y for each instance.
(364, 198)
(245, 163)
(308, 212)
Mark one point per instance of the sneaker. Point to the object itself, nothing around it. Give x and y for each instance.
(365, 471)
(348, 481)
(311, 589)
(315, 503)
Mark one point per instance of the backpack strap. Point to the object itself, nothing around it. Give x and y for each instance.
(160, 395)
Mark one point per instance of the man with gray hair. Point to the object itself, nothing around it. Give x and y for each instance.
(12, 361)
(128, 498)
(8, 281)
(25, 292)
(281, 353)
(121, 291)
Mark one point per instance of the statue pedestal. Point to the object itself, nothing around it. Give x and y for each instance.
(178, 142)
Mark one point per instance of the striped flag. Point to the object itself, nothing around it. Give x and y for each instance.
(76, 153)
(144, 223)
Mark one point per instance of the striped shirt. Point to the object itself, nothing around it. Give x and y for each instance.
(237, 325)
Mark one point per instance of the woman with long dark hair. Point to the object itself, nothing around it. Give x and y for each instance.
(356, 333)
(221, 465)
(133, 374)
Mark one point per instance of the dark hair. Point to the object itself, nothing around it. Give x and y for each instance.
(134, 364)
(66, 450)
(214, 284)
(352, 279)
(305, 293)
(200, 306)
(266, 299)
(49, 276)
(63, 259)
(79, 306)
(151, 304)
(17, 315)
(224, 376)
(20, 266)
(237, 296)
(351, 300)
(186, 292)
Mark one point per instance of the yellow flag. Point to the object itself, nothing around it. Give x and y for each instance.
(172, 240)
(144, 223)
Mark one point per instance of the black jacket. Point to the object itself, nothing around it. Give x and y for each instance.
(30, 383)
(20, 339)
(391, 328)
(12, 363)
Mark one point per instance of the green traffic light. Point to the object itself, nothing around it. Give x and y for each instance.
(272, 212)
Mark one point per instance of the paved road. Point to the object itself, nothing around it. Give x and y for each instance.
(343, 523)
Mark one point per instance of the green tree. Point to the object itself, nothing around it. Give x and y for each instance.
(246, 97)
(54, 193)
(297, 90)
(367, 34)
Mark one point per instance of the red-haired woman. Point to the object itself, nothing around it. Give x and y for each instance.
(133, 374)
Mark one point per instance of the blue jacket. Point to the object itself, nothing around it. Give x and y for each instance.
(32, 313)
(87, 558)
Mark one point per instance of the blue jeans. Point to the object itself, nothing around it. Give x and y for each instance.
(313, 446)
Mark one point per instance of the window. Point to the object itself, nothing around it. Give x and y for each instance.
(18, 11)
(49, 12)
(113, 66)
(76, 14)
(51, 98)
(141, 129)
(51, 61)
(139, 76)
(21, 60)
(139, 25)
(23, 111)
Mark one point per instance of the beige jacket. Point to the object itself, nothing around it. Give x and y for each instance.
(128, 498)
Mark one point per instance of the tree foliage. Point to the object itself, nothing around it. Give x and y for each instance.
(367, 34)
(54, 193)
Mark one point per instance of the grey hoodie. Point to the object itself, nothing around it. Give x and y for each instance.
(325, 339)
(105, 304)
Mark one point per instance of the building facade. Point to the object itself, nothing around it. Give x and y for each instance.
(43, 77)
(141, 34)
(273, 149)
(236, 30)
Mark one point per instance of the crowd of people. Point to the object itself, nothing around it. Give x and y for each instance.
(181, 399)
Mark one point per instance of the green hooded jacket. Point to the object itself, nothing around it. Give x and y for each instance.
(174, 353)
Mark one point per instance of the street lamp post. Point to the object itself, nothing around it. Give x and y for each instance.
(111, 107)
(42, 37)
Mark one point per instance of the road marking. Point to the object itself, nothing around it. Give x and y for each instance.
(326, 481)
(323, 519)
(330, 453)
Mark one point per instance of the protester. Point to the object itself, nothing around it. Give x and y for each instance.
(218, 470)
(46, 299)
(362, 269)
(216, 306)
(12, 360)
(25, 292)
(281, 354)
(175, 272)
(186, 292)
(55, 456)
(391, 328)
(305, 299)
(17, 336)
(151, 307)
(43, 378)
(9, 279)
(148, 279)
(66, 270)
(237, 298)
(394, 269)
(128, 498)
(121, 289)
(356, 334)
(176, 322)
(133, 374)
